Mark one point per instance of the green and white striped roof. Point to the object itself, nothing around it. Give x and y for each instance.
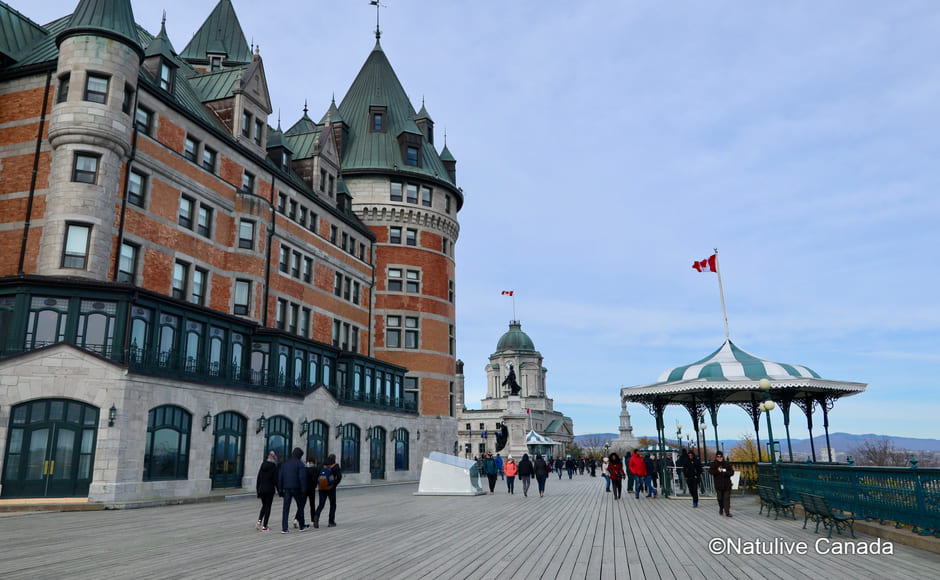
(730, 363)
(534, 438)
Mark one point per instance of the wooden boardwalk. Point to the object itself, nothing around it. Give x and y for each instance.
(575, 531)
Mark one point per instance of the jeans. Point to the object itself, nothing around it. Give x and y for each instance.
(559, 472)
(491, 477)
(540, 479)
(607, 477)
(510, 481)
(327, 494)
(570, 471)
(526, 480)
(618, 488)
(298, 496)
(650, 490)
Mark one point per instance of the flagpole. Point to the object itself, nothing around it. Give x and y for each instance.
(721, 291)
(513, 296)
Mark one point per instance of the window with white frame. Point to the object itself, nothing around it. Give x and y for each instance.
(75, 251)
(411, 332)
(86, 168)
(96, 88)
(393, 331)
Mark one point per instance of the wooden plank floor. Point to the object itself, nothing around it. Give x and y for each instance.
(576, 531)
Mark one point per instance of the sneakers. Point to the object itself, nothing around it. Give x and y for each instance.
(694, 504)
(305, 528)
(331, 525)
(295, 523)
(283, 531)
(265, 529)
(258, 526)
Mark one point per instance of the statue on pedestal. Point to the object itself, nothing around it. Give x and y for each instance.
(514, 388)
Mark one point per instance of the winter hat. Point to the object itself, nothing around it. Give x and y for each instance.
(607, 460)
(510, 458)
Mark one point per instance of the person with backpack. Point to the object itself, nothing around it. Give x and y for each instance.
(329, 477)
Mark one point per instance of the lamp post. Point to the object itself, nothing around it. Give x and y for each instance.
(607, 447)
(678, 437)
(767, 406)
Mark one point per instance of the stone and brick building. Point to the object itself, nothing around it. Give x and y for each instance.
(184, 287)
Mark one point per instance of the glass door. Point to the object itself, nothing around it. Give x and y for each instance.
(377, 453)
(228, 458)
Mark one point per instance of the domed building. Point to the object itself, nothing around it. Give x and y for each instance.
(531, 422)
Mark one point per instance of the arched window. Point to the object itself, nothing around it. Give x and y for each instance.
(167, 451)
(349, 461)
(401, 449)
(318, 441)
(278, 436)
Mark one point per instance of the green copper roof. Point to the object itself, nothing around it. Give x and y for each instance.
(446, 155)
(515, 339)
(216, 85)
(423, 114)
(332, 114)
(377, 84)
(304, 125)
(161, 45)
(220, 33)
(109, 18)
(16, 31)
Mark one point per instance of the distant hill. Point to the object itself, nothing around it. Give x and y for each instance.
(844, 442)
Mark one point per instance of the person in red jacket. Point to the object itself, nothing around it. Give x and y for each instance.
(638, 468)
(510, 468)
(615, 468)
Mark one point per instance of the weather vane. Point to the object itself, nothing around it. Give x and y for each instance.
(378, 31)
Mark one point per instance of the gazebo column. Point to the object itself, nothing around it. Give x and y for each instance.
(712, 403)
(826, 404)
(785, 400)
(807, 403)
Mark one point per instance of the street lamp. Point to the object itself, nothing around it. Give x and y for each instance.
(703, 429)
(607, 447)
(767, 406)
(678, 437)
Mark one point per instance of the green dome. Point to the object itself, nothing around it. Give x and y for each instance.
(515, 339)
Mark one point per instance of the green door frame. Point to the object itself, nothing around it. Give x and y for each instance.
(377, 453)
(228, 450)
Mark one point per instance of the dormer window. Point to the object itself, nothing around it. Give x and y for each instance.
(246, 124)
(411, 156)
(166, 76)
(215, 63)
(259, 131)
(378, 120)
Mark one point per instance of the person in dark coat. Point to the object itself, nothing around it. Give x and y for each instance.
(266, 487)
(312, 471)
(650, 474)
(526, 470)
(722, 471)
(541, 470)
(292, 485)
(490, 469)
(327, 490)
(559, 465)
(692, 471)
(570, 465)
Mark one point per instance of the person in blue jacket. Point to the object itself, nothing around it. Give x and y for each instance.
(292, 485)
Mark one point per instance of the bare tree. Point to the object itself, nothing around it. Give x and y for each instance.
(744, 450)
(880, 452)
(594, 444)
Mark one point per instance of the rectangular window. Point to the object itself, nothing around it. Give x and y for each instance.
(292, 211)
(450, 339)
(246, 234)
(185, 218)
(86, 168)
(190, 148)
(215, 63)
(127, 266)
(336, 326)
(411, 392)
(411, 237)
(293, 315)
(200, 282)
(450, 291)
(355, 295)
(246, 124)
(63, 88)
(333, 232)
(312, 224)
(208, 159)
(302, 216)
(332, 182)
(396, 189)
(354, 339)
(135, 188)
(281, 314)
(308, 269)
(411, 156)
(338, 284)
(282, 202)
(393, 332)
(411, 332)
(447, 203)
(248, 182)
(376, 121)
(242, 295)
(305, 322)
(412, 191)
(259, 131)
(96, 88)
(394, 235)
(323, 180)
(180, 279)
(75, 253)
(394, 280)
(284, 259)
(166, 80)
(444, 245)
(295, 265)
(426, 196)
(347, 286)
(204, 226)
(413, 281)
(345, 241)
(362, 252)
(143, 120)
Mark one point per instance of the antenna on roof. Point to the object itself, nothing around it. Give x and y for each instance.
(378, 31)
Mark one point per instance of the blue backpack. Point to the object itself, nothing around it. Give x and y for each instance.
(326, 480)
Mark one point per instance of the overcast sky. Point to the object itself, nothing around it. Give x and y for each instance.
(604, 146)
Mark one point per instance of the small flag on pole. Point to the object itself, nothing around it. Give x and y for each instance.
(706, 265)
(507, 293)
(527, 411)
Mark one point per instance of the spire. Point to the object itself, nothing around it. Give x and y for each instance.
(378, 31)
(221, 33)
(161, 45)
(109, 18)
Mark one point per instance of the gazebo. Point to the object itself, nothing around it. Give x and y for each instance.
(732, 376)
(539, 443)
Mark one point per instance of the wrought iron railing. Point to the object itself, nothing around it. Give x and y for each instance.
(905, 496)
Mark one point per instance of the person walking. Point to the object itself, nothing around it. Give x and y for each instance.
(489, 468)
(605, 471)
(328, 478)
(638, 469)
(615, 468)
(266, 487)
(511, 469)
(559, 465)
(570, 465)
(292, 485)
(311, 471)
(499, 466)
(526, 470)
(541, 470)
(650, 466)
(692, 470)
(722, 471)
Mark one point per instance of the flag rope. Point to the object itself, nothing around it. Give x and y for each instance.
(721, 291)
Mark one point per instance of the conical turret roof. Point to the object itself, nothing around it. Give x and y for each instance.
(220, 34)
(108, 18)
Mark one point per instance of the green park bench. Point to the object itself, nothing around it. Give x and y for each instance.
(772, 499)
(816, 508)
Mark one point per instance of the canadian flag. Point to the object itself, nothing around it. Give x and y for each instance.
(527, 411)
(706, 265)
(507, 292)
